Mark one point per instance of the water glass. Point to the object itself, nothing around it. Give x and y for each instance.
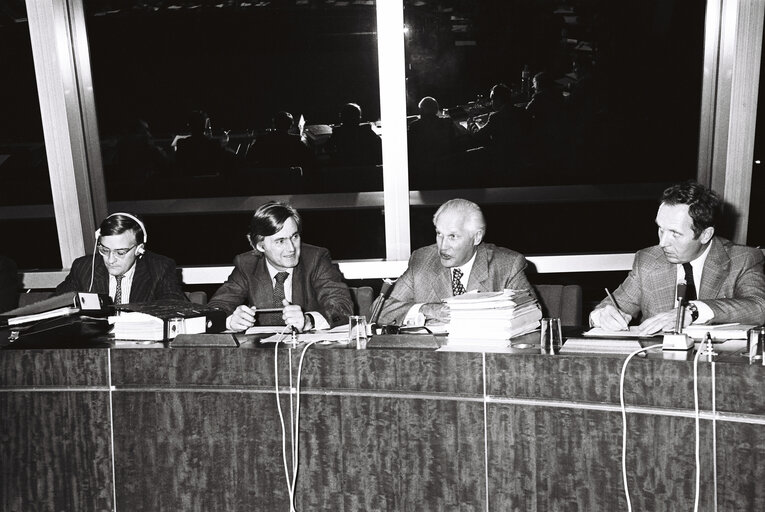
(551, 337)
(357, 331)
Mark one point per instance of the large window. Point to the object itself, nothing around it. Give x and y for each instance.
(27, 225)
(597, 93)
(191, 101)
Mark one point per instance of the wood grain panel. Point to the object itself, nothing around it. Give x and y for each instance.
(198, 452)
(55, 451)
(59, 368)
(570, 460)
(648, 382)
(741, 466)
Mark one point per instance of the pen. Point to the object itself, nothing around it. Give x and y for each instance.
(268, 310)
(611, 298)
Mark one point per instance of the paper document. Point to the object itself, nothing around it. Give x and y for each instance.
(633, 332)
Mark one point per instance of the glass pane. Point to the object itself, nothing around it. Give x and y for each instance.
(26, 207)
(594, 92)
(756, 231)
(227, 99)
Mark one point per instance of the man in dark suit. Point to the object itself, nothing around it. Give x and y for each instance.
(125, 269)
(281, 271)
(456, 263)
(724, 281)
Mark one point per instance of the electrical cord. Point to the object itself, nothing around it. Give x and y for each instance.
(294, 415)
(624, 422)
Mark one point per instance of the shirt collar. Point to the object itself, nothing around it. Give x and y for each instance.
(272, 271)
(468, 266)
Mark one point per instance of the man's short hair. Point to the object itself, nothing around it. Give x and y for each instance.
(470, 211)
(269, 219)
(117, 224)
(350, 114)
(428, 106)
(501, 94)
(703, 203)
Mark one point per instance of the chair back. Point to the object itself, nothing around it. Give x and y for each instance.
(198, 297)
(561, 301)
(362, 300)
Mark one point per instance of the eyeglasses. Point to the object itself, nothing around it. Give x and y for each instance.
(120, 253)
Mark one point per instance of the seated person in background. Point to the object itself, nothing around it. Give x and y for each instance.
(506, 130)
(9, 284)
(126, 271)
(725, 281)
(199, 154)
(431, 138)
(281, 271)
(456, 263)
(354, 142)
(278, 147)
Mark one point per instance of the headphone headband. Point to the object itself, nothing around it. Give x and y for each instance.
(129, 216)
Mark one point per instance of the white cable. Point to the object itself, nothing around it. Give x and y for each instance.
(624, 422)
(281, 420)
(697, 418)
(297, 416)
(714, 433)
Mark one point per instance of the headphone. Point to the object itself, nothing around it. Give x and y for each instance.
(138, 252)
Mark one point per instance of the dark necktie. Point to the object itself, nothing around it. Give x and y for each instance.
(118, 291)
(280, 277)
(457, 288)
(690, 291)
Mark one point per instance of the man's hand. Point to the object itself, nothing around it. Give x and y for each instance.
(242, 318)
(663, 322)
(610, 318)
(435, 311)
(293, 315)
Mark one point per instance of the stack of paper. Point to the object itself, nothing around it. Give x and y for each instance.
(137, 326)
(493, 317)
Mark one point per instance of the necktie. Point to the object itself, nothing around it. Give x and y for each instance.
(118, 292)
(457, 288)
(690, 291)
(280, 277)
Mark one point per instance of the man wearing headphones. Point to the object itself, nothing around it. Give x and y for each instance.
(125, 271)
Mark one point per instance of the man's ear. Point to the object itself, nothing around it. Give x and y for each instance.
(478, 237)
(707, 235)
(257, 246)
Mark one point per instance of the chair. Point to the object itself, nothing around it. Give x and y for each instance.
(198, 297)
(561, 301)
(362, 296)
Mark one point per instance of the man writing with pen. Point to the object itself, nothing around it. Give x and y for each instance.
(724, 281)
(297, 283)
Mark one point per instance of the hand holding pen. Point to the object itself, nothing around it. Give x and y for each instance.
(612, 318)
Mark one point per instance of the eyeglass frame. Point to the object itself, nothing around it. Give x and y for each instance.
(116, 252)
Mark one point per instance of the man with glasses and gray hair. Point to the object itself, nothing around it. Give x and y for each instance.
(125, 270)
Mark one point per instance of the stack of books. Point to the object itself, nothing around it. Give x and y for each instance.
(492, 317)
(164, 320)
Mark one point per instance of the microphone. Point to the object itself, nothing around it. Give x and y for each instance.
(681, 289)
(384, 291)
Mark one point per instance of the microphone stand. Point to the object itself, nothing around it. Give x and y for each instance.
(678, 340)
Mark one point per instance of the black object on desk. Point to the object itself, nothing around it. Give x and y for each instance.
(418, 341)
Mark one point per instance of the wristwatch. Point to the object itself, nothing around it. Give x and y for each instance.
(694, 311)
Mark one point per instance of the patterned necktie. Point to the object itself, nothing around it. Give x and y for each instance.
(690, 291)
(118, 292)
(280, 277)
(457, 288)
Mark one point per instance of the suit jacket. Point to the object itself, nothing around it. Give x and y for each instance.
(317, 285)
(426, 280)
(732, 284)
(155, 278)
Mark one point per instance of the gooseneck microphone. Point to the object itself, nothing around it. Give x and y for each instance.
(384, 291)
(681, 290)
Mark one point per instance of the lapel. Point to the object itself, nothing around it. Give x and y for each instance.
(441, 285)
(298, 282)
(100, 277)
(480, 271)
(263, 289)
(716, 268)
(662, 281)
(141, 282)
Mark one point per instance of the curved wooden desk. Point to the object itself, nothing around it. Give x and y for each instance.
(392, 430)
